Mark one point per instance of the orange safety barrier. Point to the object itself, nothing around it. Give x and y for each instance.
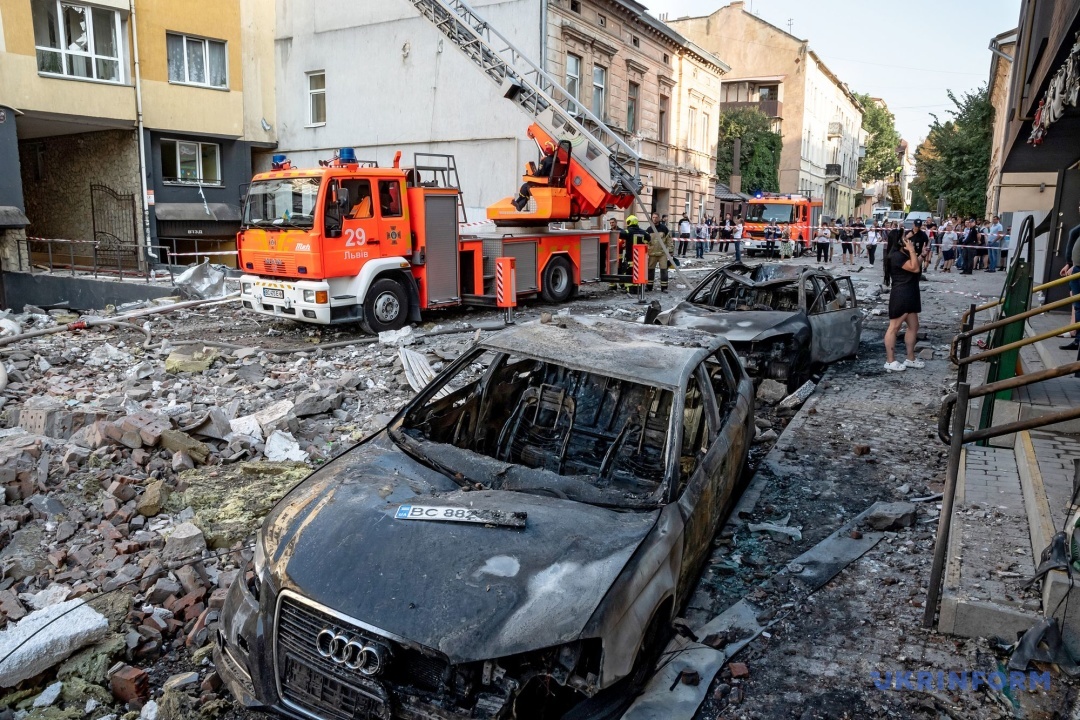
(641, 264)
(506, 282)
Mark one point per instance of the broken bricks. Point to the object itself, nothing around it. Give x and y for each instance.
(129, 684)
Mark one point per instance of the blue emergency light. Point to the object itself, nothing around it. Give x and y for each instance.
(347, 155)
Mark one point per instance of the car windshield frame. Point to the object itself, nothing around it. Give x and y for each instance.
(272, 203)
(476, 470)
(768, 212)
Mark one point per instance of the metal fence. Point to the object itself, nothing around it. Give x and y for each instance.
(37, 254)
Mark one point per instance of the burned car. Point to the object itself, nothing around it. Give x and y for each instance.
(784, 320)
(516, 542)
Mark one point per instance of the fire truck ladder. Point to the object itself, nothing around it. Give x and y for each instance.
(613, 163)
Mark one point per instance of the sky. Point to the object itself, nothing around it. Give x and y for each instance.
(874, 49)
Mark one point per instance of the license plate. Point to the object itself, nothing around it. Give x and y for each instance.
(445, 513)
(272, 293)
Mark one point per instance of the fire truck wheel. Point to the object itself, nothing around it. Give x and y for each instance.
(557, 285)
(386, 306)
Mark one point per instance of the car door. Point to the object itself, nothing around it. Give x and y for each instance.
(835, 320)
(394, 238)
(700, 461)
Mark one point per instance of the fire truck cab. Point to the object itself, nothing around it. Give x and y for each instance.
(352, 242)
(800, 214)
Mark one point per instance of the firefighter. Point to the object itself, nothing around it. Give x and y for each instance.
(522, 199)
(632, 235)
(659, 238)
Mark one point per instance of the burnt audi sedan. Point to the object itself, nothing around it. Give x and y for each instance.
(783, 320)
(515, 544)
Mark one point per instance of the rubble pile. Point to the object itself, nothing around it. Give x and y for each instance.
(135, 472)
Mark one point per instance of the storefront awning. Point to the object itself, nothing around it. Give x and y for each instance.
(197, 212)
(12, 217)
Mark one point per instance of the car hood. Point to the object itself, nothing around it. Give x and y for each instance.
(744, 326)
(471, 591)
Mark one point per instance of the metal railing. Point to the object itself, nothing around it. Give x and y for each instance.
(122, 260)
(953, 414)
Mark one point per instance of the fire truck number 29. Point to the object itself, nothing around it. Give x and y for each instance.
(354, 237)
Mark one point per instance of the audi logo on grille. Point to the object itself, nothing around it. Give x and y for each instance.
(370, 658)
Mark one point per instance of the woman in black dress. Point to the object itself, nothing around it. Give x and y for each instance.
(905, 304)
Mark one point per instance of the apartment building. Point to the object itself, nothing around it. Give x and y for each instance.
(817, 115)
(127, 129)
(414, 93)
(657, 89)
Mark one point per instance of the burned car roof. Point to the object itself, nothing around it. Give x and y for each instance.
(649, 354)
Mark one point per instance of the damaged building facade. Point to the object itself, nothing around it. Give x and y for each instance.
(80, 81)
(653, 87)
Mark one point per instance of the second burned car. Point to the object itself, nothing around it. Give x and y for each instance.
(784, 320)
(515, 544)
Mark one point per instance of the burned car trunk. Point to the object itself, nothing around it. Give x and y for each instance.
(514, 544)
(782, 319)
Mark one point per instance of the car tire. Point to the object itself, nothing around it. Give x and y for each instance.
(557, 283)
(386, 306)
(801, 370)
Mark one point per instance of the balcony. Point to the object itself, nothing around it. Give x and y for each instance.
(771, 108)
(836, 130)
(832, 171)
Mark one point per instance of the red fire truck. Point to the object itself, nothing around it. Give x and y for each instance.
(800, 214)
(352, 242)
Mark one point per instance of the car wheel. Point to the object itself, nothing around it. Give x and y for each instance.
(557, 284)
(386, 306)
(801, 370)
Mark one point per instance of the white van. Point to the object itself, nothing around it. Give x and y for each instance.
(909, 221)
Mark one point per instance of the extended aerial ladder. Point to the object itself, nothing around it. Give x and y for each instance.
(604, 171)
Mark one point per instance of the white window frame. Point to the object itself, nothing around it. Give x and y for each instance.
(64, 50)
(575, 87)
(705, 132)
(633, 107)
(206, 60)
(311, 122)
(600, 109)
(199, 181)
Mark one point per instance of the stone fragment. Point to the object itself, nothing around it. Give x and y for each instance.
(152, 499)
(216, 425)
(771, 392)
(179, 441)
(162, 590)
(182, 461)
(181, 680)
(739, 670)
(862, 449)
(37, 643)
(186, 541)
(891, 516)
(194, 359)
(926, 354)
(49, 696)
(148, 426)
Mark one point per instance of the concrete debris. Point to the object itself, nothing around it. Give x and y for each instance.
(397, 337)
(184, 543)
(771, 392)
(37, 643)
(282, 447)
(800, 396)
(202, 281)
(49, 696)
(891, 516)
(193, 359)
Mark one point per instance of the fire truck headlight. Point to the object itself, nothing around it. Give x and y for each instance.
(245, 288)
(309, 296)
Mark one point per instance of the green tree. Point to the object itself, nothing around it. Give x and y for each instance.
(954, 160)
(882, 140)
(760, 156)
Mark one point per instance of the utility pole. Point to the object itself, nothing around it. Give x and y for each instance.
(790, 22)
(736, 166)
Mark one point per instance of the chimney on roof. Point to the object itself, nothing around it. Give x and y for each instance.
(737, 4)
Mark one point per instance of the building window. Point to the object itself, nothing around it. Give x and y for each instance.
(599, 90)
(691, 134)
(768, 92)
(632, 92)
(705, 132)
(666, 58)
(635, 41)
(573, 76)
(77, 40)
(601, 20)
(575, 6)
(316, 98)
(184, 161)
(197, 61)
(662, 131)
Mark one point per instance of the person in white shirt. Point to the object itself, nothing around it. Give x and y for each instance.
(823, 243)
(948, 247)
(736, 235)
(873, 237)
(685, 233)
